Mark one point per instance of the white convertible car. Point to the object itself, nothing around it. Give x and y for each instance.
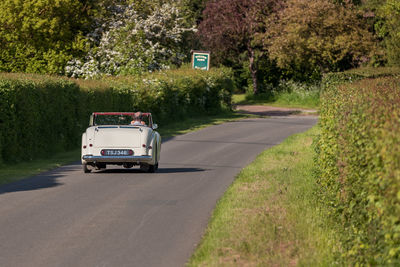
(121, 138)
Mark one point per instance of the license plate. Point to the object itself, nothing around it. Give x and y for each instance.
(116, 152)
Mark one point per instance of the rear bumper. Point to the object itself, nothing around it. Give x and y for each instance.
(116, 159)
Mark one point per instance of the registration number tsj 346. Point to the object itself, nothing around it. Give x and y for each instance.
(116, 152)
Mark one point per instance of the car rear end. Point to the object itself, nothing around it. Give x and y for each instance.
(116, 145)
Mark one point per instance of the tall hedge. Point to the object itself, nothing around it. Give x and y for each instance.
(40, 115)
(358, 160)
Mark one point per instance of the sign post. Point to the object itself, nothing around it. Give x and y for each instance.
(201, 60)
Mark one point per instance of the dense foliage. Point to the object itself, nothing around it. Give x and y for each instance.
(359, 165)
(92, 37)
(42, 35)
(40, 115)
(312, 37)
(264, 41)
(388, 27)
(134, 42)
(289, 39)
(230, 27)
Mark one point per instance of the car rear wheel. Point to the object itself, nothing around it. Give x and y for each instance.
(100, 166)
(85, 168)
(127, 165)
(148, 168)
(152, 168)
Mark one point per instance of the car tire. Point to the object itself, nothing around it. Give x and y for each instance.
(152, 169)
(148, 168)
(85, 168)
(127, 165)
(100, 166)
(143, 167)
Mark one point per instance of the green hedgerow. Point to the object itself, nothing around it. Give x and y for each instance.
(358, 160)
(40, 115)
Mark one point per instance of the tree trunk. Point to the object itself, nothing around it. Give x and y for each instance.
(253, 70)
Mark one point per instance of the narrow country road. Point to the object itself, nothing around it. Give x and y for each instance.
(123, 217)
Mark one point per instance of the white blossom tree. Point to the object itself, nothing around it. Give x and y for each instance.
(131, 42)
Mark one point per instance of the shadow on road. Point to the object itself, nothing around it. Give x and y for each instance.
(176, 170)
(44, 180)
(34, 183)
(160, 170)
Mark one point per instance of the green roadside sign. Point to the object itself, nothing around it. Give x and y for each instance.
(201, 60)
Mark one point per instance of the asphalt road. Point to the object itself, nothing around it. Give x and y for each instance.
(123, 217)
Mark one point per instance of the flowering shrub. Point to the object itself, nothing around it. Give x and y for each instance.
(134, 42)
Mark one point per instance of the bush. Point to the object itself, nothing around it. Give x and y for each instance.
(295, 93)
(40, 115)
(36, 117)
(358, 160)
(336, 78)
(288, 93)
(42, 36)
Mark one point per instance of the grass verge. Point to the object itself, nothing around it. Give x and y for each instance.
(14, 172)
(269, 215)
(287, 100)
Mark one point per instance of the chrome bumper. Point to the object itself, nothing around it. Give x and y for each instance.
(116, 159)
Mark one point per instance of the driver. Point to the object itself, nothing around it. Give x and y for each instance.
(137, 119)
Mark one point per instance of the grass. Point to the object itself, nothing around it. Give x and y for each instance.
(269, 216)
(14, 172)
(288, 100)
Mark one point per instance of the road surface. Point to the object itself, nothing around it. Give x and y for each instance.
(123, 217)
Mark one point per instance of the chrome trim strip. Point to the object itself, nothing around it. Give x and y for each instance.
(89, 158)
(108, 127)
(129, 127)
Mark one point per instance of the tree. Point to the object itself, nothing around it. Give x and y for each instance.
(317, 36)
(388, 28)
(132, 42)
(193, 10)
(230, 28)
(42, 35)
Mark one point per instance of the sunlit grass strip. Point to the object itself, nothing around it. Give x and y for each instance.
(269, 216)
(305, 100)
